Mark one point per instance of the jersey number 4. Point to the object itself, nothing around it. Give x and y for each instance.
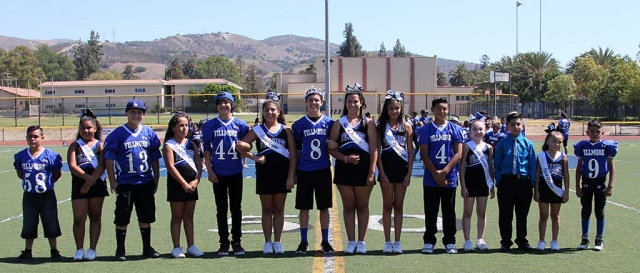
(442, 155)
(232, 151)
(144, 167)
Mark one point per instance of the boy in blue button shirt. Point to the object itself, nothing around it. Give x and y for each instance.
(515, 168)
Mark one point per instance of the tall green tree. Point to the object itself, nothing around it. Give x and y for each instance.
(273, 82)
(535, 69)
(441, 77)
(484, 61)
(399, 50)
(128, 73)
(252, 81)
(189, 69)
(87, 56)
(105, 75)
(459, 76)
(350, 47)
(561, 91)
(204, 103)
(601, 57)
(383, 51)
(174, 71)
(218, 67)
(23, 66)
(55, 65)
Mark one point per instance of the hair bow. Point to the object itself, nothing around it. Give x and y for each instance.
(356, 88)
(273, 96)
(87, 112)
(314, 90)
(393, 94)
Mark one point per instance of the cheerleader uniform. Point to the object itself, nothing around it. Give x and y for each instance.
(474, 176)
(395, 168)
(97, 190)
(175, 192)
(271, 177)
(346, 173)
(557, 175)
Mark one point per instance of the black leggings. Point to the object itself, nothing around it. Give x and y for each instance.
(593, 189)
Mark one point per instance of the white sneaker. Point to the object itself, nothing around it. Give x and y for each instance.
(91, 255)
(481, 245)
(555, 246)
(177, 252)
(427, 248)
(541, 245)
(277, 248)
(468, 246)
(387, 248)
(351, 247)
(397, 248)
(79, 255)
(361, 248)
(194, 251)
(267, 248)
(451, 249)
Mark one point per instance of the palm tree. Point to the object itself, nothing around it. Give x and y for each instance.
(534, 66)
(309, 70)
(604, 58)
(441, 77)
(460, 76)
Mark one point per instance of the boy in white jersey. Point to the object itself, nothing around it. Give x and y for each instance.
(131, 156)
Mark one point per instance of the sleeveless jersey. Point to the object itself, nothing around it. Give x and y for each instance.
(220, 138)
(132, 153)
(387, 151)
(37, 172)
(313, 136)
(474, 169)
(440, 140)
(188, 173)
(85, 164)
(275, 162)
(555, 168)
(594, 157)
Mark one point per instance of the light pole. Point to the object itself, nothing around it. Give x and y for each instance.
(327, 75)
(518, 4)
(540, 43)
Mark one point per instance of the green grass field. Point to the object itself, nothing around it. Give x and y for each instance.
(620, 255)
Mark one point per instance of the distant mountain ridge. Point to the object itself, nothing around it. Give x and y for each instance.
(287, 53)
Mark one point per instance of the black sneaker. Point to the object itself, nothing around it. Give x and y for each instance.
(237, 248)
(525, 247)
(223, 250)
(302, 248)
(327, 248)
(584, 244)
(150, 253)
(120, 255)
(55, 255)
(25, 255)
(599, 244)
(504, 248)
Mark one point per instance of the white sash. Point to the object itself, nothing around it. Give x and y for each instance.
(393, 142)
(93, 158)
(477, 150)
(353, 135)
(544, 168)
(277, 147)
(176, 147)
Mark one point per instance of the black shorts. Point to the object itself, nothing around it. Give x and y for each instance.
(395, 168)
(97, 190)
(350, 174)
(175, 193)
(314, 181)
(546, 194)
(271, 177)
(475, 182)
(142, 196)
(36, 206)
(565, 141)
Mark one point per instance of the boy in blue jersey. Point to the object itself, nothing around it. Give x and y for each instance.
(564, 124)
(595, 161)
(495, 135)
(514, 164)
(440, 149)
(38, 168)
(224, 167)
(311, 133)
(131, 156)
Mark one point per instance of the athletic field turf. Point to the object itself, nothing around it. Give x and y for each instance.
(620, 255)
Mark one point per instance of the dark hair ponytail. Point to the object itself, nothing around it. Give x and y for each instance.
(172, 123)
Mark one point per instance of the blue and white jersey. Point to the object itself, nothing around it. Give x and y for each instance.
(503, 129)
(220, 138)
(37, 172)
(594, 157)
(564, 124)
(465, 133)
(440, 140)
(426, 120)
(132, 153)
(313, 137)
(555, 167)
(493, 138)
(279, 137)
(400, 135)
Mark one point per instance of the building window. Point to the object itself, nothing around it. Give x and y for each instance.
(139, 90)
(110, 105)
(112, 91)
(50, 92)
(467, 98)
(79, 105)
(48, 106)
(79, 92)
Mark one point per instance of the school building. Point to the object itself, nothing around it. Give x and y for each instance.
(414, 76)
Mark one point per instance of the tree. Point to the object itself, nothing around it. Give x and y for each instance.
(534, 70)
(252, 81)
(561, 91)
(273, 82)
(105, 75)
(484, 61)
(383, 51)
(86, 57)
(55, 65)
(189, 69)
(350, 47)
(128, 73)
(174, 71)
(240, 63)
(23, 66)
(441, 78)
(218, 67)
(198, 103)
(311, 69)
(460, 76)
(603, 58)
(399, 50)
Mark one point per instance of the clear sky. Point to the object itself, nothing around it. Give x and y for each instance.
(452, 29)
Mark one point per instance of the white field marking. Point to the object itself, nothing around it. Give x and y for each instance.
(620, 205)
(329, 259)
(256, 219)
(20, 215)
